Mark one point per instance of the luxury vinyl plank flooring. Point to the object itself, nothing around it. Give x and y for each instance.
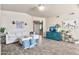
(48, 47)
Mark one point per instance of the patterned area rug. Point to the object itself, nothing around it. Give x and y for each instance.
(48, 47)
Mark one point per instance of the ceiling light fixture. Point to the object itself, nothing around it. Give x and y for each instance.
(41, 7)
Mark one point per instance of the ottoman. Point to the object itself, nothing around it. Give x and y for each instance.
(26, 42)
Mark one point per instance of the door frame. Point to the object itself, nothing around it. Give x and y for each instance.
(40, 22)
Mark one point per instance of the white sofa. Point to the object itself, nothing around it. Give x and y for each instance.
(12, 36)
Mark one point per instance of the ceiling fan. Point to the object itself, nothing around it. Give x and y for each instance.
(40, 7)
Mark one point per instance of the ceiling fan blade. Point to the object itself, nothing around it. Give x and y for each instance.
(33, 8)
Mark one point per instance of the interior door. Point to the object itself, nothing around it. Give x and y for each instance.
(38, 27)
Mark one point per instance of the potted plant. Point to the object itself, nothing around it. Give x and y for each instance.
(3, 37)
(2, 29)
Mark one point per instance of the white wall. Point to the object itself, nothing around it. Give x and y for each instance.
(64, 17)
(52, 20)
(9, 16)
(0, 15)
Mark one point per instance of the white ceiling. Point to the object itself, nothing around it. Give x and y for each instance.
(50, 9)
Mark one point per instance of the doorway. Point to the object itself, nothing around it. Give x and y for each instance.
(38, 27)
